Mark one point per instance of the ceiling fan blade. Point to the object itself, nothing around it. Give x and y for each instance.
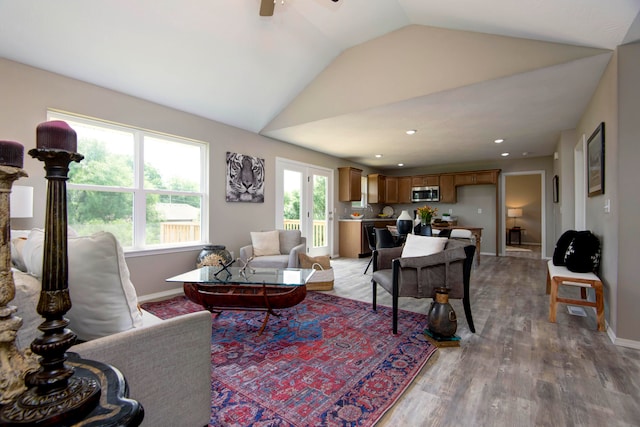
(266, 7)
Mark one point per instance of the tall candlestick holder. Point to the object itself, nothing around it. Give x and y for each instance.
(14, 364)
(55, 391)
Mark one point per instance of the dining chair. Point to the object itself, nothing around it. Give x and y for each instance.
(371, 240)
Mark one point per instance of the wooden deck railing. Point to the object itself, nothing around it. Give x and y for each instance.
(174, 232)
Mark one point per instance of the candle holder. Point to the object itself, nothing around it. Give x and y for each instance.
(54, 391)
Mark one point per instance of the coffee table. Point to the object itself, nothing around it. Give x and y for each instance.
(235, 288)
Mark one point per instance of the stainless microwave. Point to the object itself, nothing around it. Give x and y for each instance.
(425, 194)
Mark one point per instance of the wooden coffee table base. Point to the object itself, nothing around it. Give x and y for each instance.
(248, 297)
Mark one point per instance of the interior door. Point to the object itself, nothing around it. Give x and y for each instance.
(304, 202)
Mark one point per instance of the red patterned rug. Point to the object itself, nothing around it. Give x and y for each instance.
(328, 361)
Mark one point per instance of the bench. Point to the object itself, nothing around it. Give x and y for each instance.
(560, 275)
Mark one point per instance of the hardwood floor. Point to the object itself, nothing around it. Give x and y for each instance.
(518, 369)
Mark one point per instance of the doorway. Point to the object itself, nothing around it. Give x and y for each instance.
(523, 217)
(304, 202)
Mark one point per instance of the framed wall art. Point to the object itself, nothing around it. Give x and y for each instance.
(595, 162)
(245, 178)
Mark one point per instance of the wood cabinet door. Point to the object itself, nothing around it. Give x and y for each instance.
(391, 189)
(376, 188)
(486, 177)
(349, 185)
(404, 189)
(464, 179)
(447, 189)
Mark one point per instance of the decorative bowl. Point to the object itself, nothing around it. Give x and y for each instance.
(357, 216)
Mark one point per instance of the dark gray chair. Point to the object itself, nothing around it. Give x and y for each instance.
(418, 277)
(371, 240)
(384, 238)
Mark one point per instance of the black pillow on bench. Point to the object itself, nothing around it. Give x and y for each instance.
(562, 245)
(583, 253)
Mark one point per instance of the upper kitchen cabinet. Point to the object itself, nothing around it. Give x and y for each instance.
(404, 189)
(349, 184)
(376, 188)
(476, 177)
(391, 189)
(425, 180)
(448, 192)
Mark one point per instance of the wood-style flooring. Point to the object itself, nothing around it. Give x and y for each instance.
(517, 369)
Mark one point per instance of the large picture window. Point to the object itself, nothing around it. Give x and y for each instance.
(147, 188)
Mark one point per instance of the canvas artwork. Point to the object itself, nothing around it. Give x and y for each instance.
(245, 178)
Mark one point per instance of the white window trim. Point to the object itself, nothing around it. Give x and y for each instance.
(139, 193)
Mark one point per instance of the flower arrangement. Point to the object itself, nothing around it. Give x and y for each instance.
(426, 213)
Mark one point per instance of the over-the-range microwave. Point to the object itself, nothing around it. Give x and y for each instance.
(425, 194)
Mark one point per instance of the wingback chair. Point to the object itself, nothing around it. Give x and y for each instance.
(274, 249)
(418, 277)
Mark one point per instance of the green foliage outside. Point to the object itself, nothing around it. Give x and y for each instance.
(92, 211)
(292, 201)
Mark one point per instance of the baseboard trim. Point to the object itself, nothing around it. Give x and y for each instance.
(622, 342)
(160, 295)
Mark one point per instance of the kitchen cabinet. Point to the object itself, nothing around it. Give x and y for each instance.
(476, 177)
(391, 189)
(349, 181)
(404, 189)
(425, 180)
(376, 187)
(448, 192)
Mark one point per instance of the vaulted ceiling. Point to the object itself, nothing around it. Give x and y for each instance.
(346, 78)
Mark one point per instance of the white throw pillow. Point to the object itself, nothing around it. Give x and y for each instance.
(422, 245)
(265, 243)
(103, 298)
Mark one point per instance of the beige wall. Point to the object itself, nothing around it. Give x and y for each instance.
(29, 92)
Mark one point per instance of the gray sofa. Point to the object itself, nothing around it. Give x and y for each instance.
(291, 244)
(167, 363)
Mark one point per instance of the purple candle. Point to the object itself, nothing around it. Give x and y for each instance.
(58, 135)
(11, 154)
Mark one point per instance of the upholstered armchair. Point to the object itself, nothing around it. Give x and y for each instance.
(418, 276)
(274, 249)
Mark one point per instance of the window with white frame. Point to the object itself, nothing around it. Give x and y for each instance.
(148, 189)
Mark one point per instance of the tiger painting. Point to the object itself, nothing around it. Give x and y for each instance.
(245, 178)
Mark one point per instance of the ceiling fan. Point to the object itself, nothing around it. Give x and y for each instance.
(267, 7)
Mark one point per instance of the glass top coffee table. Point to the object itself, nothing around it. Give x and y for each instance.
(235, 288)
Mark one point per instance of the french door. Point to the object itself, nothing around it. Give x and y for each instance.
(304, 202)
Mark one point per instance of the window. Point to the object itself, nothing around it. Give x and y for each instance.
(146, 188)
(362, 203)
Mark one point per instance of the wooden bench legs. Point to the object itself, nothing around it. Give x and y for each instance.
(553, 282)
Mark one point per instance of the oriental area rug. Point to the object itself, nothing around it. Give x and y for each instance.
(328, 361)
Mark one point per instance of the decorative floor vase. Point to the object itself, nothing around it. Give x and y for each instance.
(404, 223)
(441, 318)
(425, 228)
(211, 255)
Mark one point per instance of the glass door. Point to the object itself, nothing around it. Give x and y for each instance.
(303, 202)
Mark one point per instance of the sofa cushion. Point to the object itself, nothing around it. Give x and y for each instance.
(289, 239)
(103, 298)
(416, 246)
(583, 253)
(265, 243)
(27, 295)
(270, 261)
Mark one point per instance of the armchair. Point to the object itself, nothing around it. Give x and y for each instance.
(417, 277)
(274, 249)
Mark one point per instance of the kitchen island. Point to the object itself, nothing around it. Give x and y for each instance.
(353, 241)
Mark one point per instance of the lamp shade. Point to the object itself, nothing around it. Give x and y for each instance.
(21, 202)
(514, 212)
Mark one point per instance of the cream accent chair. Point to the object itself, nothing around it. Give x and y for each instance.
(274, 249)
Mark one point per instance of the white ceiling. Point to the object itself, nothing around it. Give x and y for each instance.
(218, 59)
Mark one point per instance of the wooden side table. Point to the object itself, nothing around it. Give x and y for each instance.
(518, 232)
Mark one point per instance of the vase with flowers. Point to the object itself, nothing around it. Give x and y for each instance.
(426, 213)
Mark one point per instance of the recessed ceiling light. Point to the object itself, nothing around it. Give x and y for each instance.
(378, 156)
(411, 132)
(504, 154)
(499, 141)
(400, 164)
(526, 153)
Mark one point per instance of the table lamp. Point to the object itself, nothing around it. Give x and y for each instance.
(514, 213)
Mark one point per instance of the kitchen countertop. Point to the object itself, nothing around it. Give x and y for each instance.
(367, 219)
